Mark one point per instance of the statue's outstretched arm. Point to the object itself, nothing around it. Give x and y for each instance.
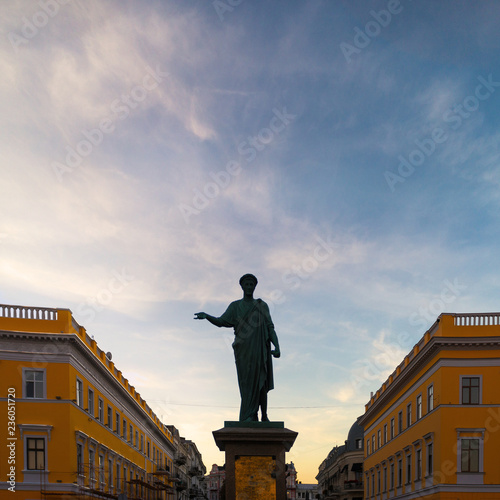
(212, 319)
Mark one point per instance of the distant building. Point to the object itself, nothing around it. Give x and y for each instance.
(431, 430)
(188, 476)
(307, 491)
(76, 427)
(214, 482)
(340, 475)
(291, 481)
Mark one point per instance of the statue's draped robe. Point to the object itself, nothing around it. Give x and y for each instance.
(252, 325)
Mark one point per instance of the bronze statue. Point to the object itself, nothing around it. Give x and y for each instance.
(254, 334)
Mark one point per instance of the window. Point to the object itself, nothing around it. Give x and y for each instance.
(148, 447)
(367, 447)
(359, 444)
(137, 439)
(400, 422)
(142, 442)
(79, 458)
(373, 443)
(117, 423)
(470, 390)
(379, 433)
(101, 472)
(79, 393)
(124, 429)
(110, 474)
(392, 428)
(392, 477)
(378, 481)
(385, 479)
(419, 407)
(124, 479)
(429, 459)
(469, 455)
(131, 434)
(430, 398)
(408, 469)
(91, 468)
(34, 384)
(385, 433)
(35, 453)
(400, 472)
(118, 477)
(90, 405)
(408, 415)
(110, 417)
(101, 411)
(418, 465)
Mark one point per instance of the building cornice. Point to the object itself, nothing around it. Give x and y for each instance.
(427, 352)
(67, 357)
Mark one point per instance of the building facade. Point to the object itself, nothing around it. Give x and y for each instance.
(215, 481)
(188, 471)
(76, 427)
(340, 475)
(432, 429)
(291, 481)
(307, 491)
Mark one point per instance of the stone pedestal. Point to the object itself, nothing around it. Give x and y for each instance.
(255, 459)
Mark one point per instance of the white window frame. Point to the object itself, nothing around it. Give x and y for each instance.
(110, 475)
(480, 395)
(79, 392)
(418, 408)
(90, 401)
(470, 477)
(101, 470)
(92, 468)
(408, 415)
(430, 400)
(100, 410)
(30, 475)
(44, 382)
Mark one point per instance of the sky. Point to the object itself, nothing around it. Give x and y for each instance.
(344, 152)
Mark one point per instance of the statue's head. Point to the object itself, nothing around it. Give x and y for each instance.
(248, 277)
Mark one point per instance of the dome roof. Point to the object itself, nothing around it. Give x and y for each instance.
(355, 433)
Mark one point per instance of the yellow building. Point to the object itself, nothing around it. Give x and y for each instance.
(75, 426)
(432, 429)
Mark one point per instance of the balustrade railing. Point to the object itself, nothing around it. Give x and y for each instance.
(23, 312)
(477, 319)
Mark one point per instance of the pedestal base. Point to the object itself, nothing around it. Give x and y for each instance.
(255, 459)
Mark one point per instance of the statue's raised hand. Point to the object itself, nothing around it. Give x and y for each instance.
(200, 315)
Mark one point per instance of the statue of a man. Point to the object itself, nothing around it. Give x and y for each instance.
(254, 334)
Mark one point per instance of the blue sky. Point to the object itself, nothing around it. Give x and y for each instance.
(345, 152)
